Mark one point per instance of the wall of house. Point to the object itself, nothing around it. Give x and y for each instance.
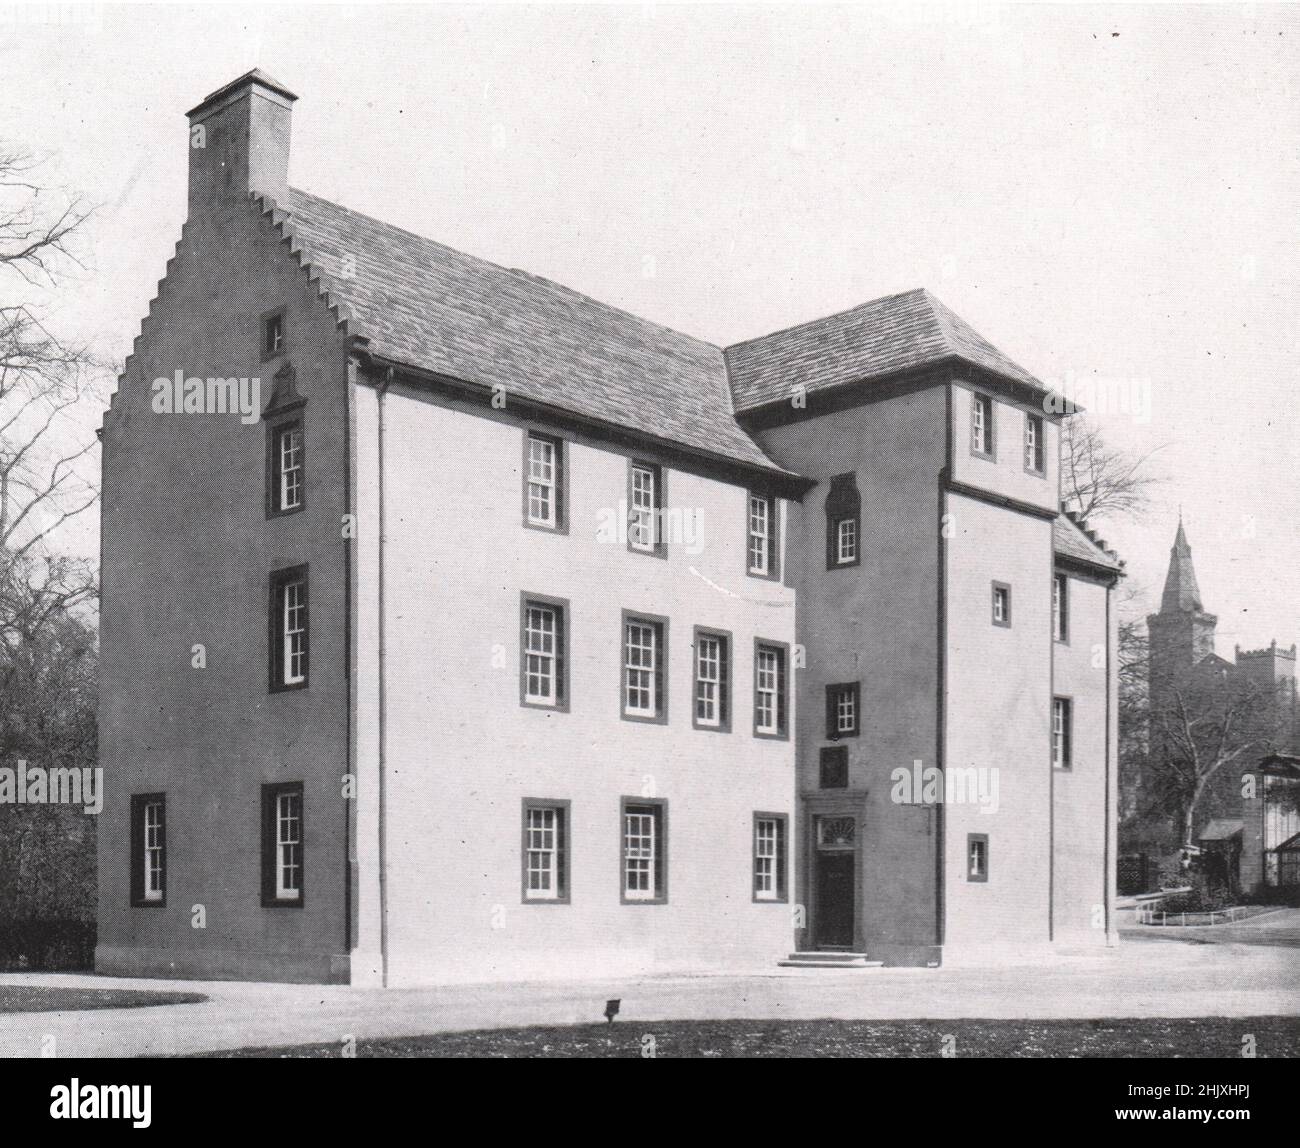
(1005, 473)
(365, 860)
(460, 752)
(187, 551)
(1083, 797)
(875, 623)
(998, 719)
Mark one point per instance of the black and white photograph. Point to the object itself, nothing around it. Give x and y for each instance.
(640, 531)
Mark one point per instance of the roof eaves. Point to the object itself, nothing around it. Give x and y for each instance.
(1112, 560)
(791, 479)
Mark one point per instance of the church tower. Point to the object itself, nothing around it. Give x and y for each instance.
(1182, 633)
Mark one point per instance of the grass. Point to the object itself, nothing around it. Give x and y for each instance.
(1212, 1037)
(37, 998)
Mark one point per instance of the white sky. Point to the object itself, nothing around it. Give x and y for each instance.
(1098, 205)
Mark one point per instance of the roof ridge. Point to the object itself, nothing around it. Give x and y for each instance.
(826, 318)
(947, 319)
(952, 323)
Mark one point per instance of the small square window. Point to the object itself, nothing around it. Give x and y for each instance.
(273, 333)
(977, 857)
(1001, 604)
(842, 710)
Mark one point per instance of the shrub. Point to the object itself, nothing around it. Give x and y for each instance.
(47, 946)
(1200, 899)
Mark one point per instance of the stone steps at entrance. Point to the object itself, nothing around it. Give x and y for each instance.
(831, 959)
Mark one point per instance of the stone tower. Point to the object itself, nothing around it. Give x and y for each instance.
(1182, 633)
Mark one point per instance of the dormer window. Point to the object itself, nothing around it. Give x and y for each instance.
(273, 334)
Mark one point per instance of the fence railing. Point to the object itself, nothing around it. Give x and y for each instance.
(1152, 915)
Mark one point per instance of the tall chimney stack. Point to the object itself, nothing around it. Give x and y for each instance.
(239, 142)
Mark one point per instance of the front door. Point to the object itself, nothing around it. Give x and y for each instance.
(835, 840)
(835, 900)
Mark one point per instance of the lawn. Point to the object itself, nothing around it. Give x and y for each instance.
(37, 998)
(1213, 1037)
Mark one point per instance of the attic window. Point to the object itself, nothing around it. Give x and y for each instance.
(273, 334)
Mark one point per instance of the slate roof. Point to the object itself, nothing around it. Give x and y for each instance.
(435, 308)
(883, 337)
(427, 305)
(1181, 591)
(1076, 541)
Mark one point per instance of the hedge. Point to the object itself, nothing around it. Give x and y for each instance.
(47, 946)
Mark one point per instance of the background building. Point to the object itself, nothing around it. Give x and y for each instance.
(1240, 710)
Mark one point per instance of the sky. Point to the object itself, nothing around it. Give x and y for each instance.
(1110, 194)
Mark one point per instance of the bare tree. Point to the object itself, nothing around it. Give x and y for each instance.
(44, 381)
(1098, 479)
(1200, 725)
(49, 685)
(1132, 671)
